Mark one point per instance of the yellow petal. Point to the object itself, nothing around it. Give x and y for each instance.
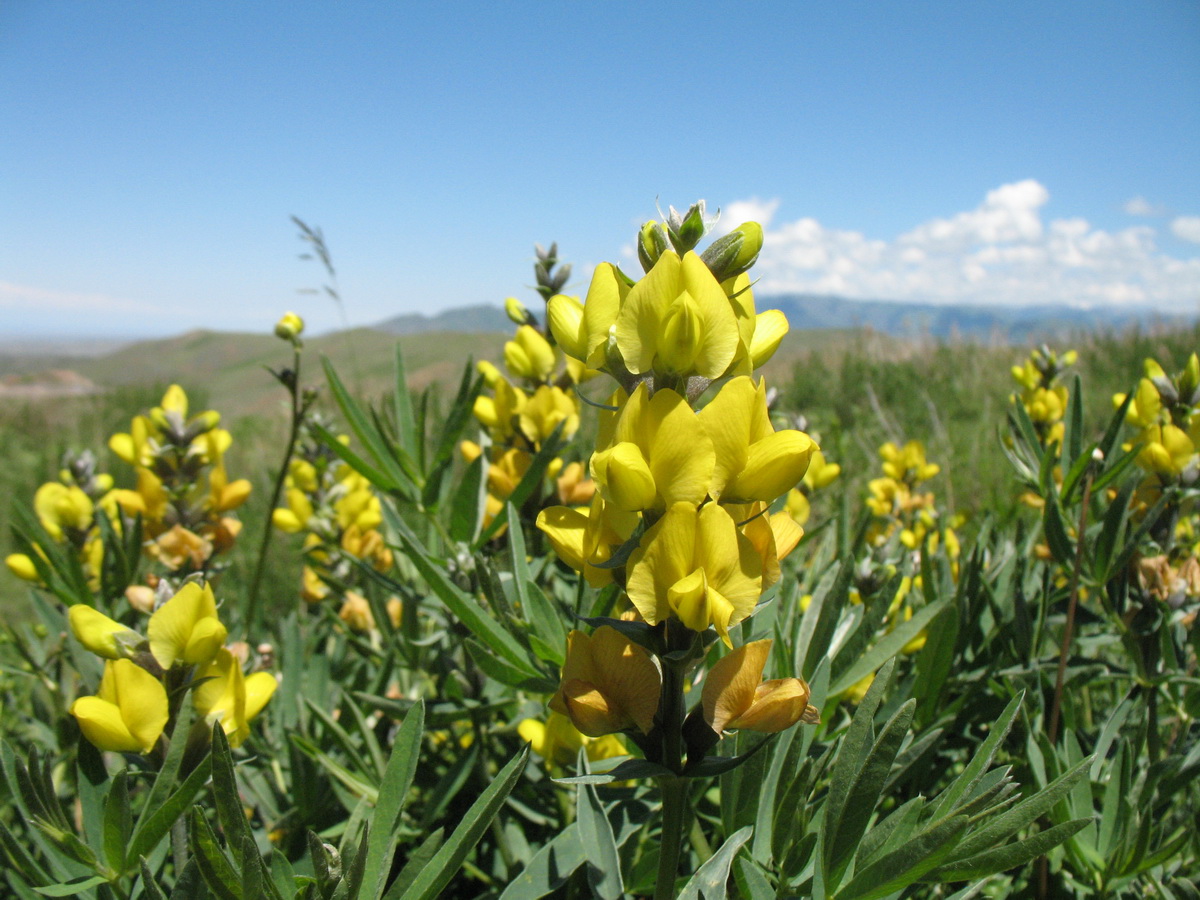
(101, 723)
(774, 465)
(770, 327)
(626, 476)
(566, 324)
(730, 685)
(778, 704)
(171, 626)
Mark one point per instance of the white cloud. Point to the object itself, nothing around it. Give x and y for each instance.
(1002, 252)
(1186, 228)
(25, 297)
(1140, 206)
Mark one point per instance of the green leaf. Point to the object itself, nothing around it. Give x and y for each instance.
(230, 812)
(751, 881)
(1110, 531)
(402, 411)
(72, 888)
(470, 501)
(623, 771)
(906, 864)
(416, 863)
(1007, 857)
(397, 780)
(150, 887)
(887, 647)
(708, 883)
(550, 867)
(1073, 424)
(1001, 827)
(218, 874)
(538, 611)
(846, 830)
(461, 604)
(505, 673)
(982, 758)
(118, 822)
(1056, 530)
(164, 781)
(368, 433)
(450, 857)
(160, 819)
(595, 833)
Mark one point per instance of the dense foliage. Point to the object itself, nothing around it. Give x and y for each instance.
(619, 618)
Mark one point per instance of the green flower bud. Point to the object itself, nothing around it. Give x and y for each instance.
(652, 241)
(735, 253)
(290, 327)
(516, 311)
(687, 230)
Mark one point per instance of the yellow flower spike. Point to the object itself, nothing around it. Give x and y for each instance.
(753, 461)
(567, 325)
(60, 508)
(186, 629)
(609, 684)
(543, 412)
(101, 635)
(128, 713)
(673, 442)
(686, 539)
(529, 355)
(735, 697)
(626, 476)
(678, 298)
(22, 566)
(770, 328)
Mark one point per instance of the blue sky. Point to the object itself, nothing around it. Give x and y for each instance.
(151, 153)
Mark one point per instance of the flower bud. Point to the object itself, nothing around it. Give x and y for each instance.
(567, 325)
(21, 566)
(652, 241)
(686, 231)
(516, 311)
(290, 327)
(101, 635)
(1189, 380)
(735, 253)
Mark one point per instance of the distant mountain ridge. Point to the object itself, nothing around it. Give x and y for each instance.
(1016, 325)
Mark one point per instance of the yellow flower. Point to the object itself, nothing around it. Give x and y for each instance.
(179, 549)
(497, 414)
(61, 508)
(585, 541)
(1167, 450)
(735, 697)
(558, 741)
(356, 612)
(22, 566)
(544, 411)
(677, 319)
(230, 697)
(753, 460)
(186, 629)
(529, 355)
(696, 566)
(102, 635)
(609, 684)
(289, 327)
(583, 330)
(659, 453)
(574, 487)
(128, 713)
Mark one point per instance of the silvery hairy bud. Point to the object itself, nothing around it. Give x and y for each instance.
(686, 231)
(730, 256)
(651, 243)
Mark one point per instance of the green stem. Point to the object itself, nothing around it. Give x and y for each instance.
(1065, 651)
(674, 812)
(297, 415)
